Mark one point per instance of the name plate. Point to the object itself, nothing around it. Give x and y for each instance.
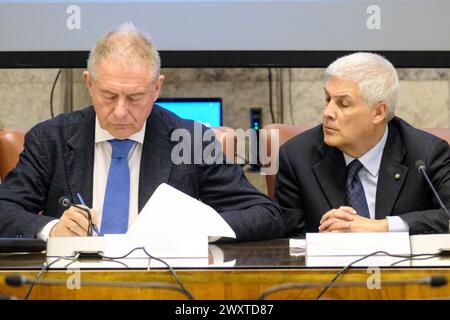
(183, 249)
(357, 244)
(430, 243)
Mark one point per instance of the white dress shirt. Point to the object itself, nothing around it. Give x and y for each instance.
(102, 161)
(368, 174)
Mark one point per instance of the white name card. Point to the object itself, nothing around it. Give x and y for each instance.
(429, 243)
(357, 244)
(181, 249)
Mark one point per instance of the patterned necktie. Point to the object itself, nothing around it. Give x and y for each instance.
(117, 194)
(355, 190)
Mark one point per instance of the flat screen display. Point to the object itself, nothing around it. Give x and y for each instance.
(229, 33)
(208, 111)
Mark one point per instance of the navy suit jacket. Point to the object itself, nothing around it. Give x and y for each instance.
(58, 160)
(311, 179)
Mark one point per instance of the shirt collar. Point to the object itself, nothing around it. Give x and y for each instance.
(101, 135)
(371, 160)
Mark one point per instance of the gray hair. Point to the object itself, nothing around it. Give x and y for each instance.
(126, 45)
(375, 76)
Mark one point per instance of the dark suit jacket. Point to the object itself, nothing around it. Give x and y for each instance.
(311, 179)
(58, 160)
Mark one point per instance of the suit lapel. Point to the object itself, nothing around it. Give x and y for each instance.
(156, 163)
(392, 174)
(79, 160)
(331, 175)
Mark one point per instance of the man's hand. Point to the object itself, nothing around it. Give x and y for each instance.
(346, 219)
(74, 222)
(342, 213)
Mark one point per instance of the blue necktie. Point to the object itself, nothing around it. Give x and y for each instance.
(117, 194)
(355, 190)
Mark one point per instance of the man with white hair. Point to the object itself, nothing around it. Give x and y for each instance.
(116, 153)
(356, 171)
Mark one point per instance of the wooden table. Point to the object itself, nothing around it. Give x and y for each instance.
(259, 266)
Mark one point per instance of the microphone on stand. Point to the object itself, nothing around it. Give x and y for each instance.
(432, 281)
(420, 166)
(17, 280)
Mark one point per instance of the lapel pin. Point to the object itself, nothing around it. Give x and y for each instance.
(397, 176)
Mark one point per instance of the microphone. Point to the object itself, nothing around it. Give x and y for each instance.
(420, 166)
(435, 281)
(432, 281)
(17, 280)
(65, 203)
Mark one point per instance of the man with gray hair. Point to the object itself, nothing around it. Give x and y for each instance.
(115, 153)
(356, 171)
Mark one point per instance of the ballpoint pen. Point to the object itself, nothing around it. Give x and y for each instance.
(81, 201)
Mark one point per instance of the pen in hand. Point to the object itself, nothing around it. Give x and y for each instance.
(80, 199)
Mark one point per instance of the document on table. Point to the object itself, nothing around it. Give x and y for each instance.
(170, 211)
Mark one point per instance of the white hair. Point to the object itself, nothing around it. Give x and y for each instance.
(126, 45)
(375, 76)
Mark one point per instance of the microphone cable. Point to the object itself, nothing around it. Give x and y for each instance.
(433, 281)
(291, 111)
(77, 258)
(52, 112)
(431, 256)
(36, 278)
(344, 269)
(114, 259)
(183, 288)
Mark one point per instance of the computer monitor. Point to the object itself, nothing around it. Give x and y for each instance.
(208, 111)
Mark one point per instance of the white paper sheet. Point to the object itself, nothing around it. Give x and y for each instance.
(170, 211)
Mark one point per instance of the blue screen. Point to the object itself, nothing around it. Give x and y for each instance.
(207, 112)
